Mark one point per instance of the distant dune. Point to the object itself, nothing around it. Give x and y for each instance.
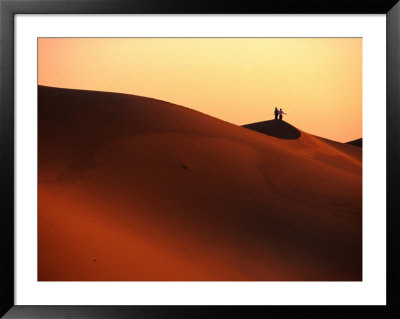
(357, 142)
(137, 189)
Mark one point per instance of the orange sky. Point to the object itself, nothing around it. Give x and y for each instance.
(317, 81)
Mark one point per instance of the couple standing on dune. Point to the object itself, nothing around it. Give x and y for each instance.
(280, 113)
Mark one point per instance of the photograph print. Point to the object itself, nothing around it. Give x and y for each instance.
(200, 159)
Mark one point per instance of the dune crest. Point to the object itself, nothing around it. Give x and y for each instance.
(133, 188)
(276, 128)
(357, 142)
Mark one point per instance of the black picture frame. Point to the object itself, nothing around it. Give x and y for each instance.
(8, 10)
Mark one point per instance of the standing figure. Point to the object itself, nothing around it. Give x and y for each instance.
(281, 114)
(276, 112)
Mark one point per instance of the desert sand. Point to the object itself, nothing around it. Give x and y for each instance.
(357, 142)
(138, 189)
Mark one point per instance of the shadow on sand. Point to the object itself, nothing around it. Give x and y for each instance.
(276, 128)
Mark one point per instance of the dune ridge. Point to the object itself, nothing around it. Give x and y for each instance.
(133, 188)
(357, 142)
(276, 128)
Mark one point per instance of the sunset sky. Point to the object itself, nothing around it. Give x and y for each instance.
(316, 81)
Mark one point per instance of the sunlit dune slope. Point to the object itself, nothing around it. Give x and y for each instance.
(284, 130)
(132, 188)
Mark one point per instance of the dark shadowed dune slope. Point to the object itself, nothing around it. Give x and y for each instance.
(357, 142)
(276, 128)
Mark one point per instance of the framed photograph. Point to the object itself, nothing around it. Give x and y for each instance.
(173, 159)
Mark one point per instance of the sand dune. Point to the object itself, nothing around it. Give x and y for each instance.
(133, 188)
(284, 130)
(357, 142)
(276, 128)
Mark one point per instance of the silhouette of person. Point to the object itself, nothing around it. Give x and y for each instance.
(281, 114)
(276, 112)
